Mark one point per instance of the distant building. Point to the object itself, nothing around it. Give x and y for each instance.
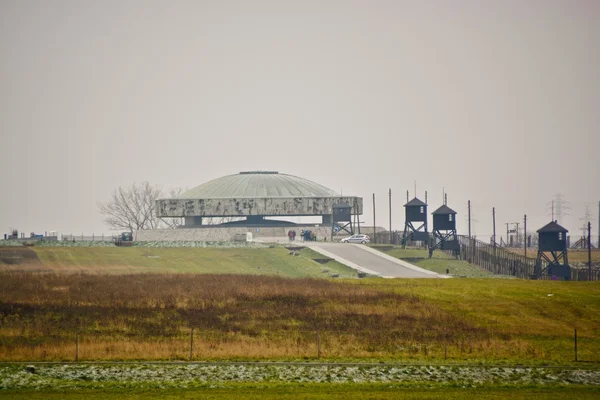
(254, 196)
(552, 249)
(444, 231)
(415, 225)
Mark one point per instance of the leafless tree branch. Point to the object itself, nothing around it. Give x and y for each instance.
(133, 208)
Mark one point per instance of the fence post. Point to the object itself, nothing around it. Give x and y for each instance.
(77, 347)
(191, 344)
(445, 345)
(575, 341)
(318, 344)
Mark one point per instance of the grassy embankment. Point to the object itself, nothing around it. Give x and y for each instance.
(439, 261)
(131, 260)
(150, 316)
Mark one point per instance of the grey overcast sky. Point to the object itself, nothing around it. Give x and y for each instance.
(495, 101)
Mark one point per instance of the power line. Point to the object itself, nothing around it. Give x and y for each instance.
(586, 219)
(558, 208)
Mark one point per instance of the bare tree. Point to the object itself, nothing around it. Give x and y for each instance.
(132, 208)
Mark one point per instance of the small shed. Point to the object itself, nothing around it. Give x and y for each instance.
(415, 211)
(444, 219)
(552, 237)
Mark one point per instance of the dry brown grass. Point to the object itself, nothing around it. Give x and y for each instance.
(580, 256)
(150, 316)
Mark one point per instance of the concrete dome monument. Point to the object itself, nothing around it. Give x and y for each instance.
(255, 195)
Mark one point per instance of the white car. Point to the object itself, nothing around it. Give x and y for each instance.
(357, 239)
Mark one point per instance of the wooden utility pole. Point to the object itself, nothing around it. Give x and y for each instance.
(589, 251)
(391, 233)
(374, 232)
(353, 216)
(471, 254)
(469, 208)
(358, 215)
(525, 235)
(494, 218)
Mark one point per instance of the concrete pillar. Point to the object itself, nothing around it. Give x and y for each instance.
(327, 219)
(191, 222)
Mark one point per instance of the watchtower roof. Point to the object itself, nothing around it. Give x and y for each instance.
(552, 227)
(415, 203)
(444, 210)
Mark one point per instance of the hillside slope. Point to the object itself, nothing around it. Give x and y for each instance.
(128, 260)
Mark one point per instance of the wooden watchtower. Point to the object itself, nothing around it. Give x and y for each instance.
(341, 219)
(444, 231)
(415, 225)
(552, 249)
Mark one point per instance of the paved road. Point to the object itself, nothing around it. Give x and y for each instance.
(363, 258)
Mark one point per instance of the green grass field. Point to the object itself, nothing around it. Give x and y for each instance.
(439, 262)
(318, 391)
(148, 316)
(130, 260)
(252, 261)
(542, 314)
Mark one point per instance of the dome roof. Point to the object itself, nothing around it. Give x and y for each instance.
(256, 184)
